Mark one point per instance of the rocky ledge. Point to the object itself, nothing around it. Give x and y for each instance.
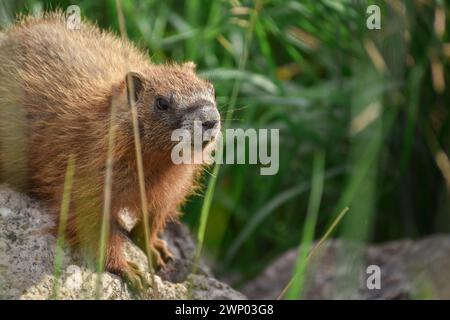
(27, 255)
(409, 269)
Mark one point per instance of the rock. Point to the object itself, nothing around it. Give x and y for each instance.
(409, 270)
(183, 248)
(27, 257)
(208, 288)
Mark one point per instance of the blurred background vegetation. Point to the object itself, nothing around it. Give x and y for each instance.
(372, 106)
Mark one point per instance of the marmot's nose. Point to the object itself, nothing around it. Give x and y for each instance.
(203, 115)
(209, 124)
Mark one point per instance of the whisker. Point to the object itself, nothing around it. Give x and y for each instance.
(231, 119)
(236, 109)
(210, 173)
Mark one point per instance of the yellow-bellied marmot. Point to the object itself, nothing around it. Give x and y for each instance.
(56, 90)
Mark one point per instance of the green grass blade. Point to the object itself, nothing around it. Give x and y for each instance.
(315, 248)
(64, 213)
(310, 225)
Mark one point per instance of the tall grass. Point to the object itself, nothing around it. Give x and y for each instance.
(140, 165)
(64, 214)
(302, 262)
(308, 230)
(204, 214)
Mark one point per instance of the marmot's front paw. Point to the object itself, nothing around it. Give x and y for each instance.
(134, 277)
(160, 253)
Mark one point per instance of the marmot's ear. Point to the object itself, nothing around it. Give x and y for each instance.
(189, 66)
(135, 84)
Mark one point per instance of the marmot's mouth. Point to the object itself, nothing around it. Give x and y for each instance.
(209, 138)
(207, 142)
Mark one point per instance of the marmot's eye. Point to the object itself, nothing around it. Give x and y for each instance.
(162, 104)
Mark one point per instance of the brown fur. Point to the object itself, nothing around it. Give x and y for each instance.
(56, 89)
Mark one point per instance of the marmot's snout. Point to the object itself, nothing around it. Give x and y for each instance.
(204, 119)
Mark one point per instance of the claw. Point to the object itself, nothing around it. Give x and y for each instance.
(157, 260)
(134, 277)
(161, 246)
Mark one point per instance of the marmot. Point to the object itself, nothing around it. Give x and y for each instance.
(56, 90)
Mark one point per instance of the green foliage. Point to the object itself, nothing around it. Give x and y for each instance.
(371, 100)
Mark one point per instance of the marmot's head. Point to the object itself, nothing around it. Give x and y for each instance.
(169, 98)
